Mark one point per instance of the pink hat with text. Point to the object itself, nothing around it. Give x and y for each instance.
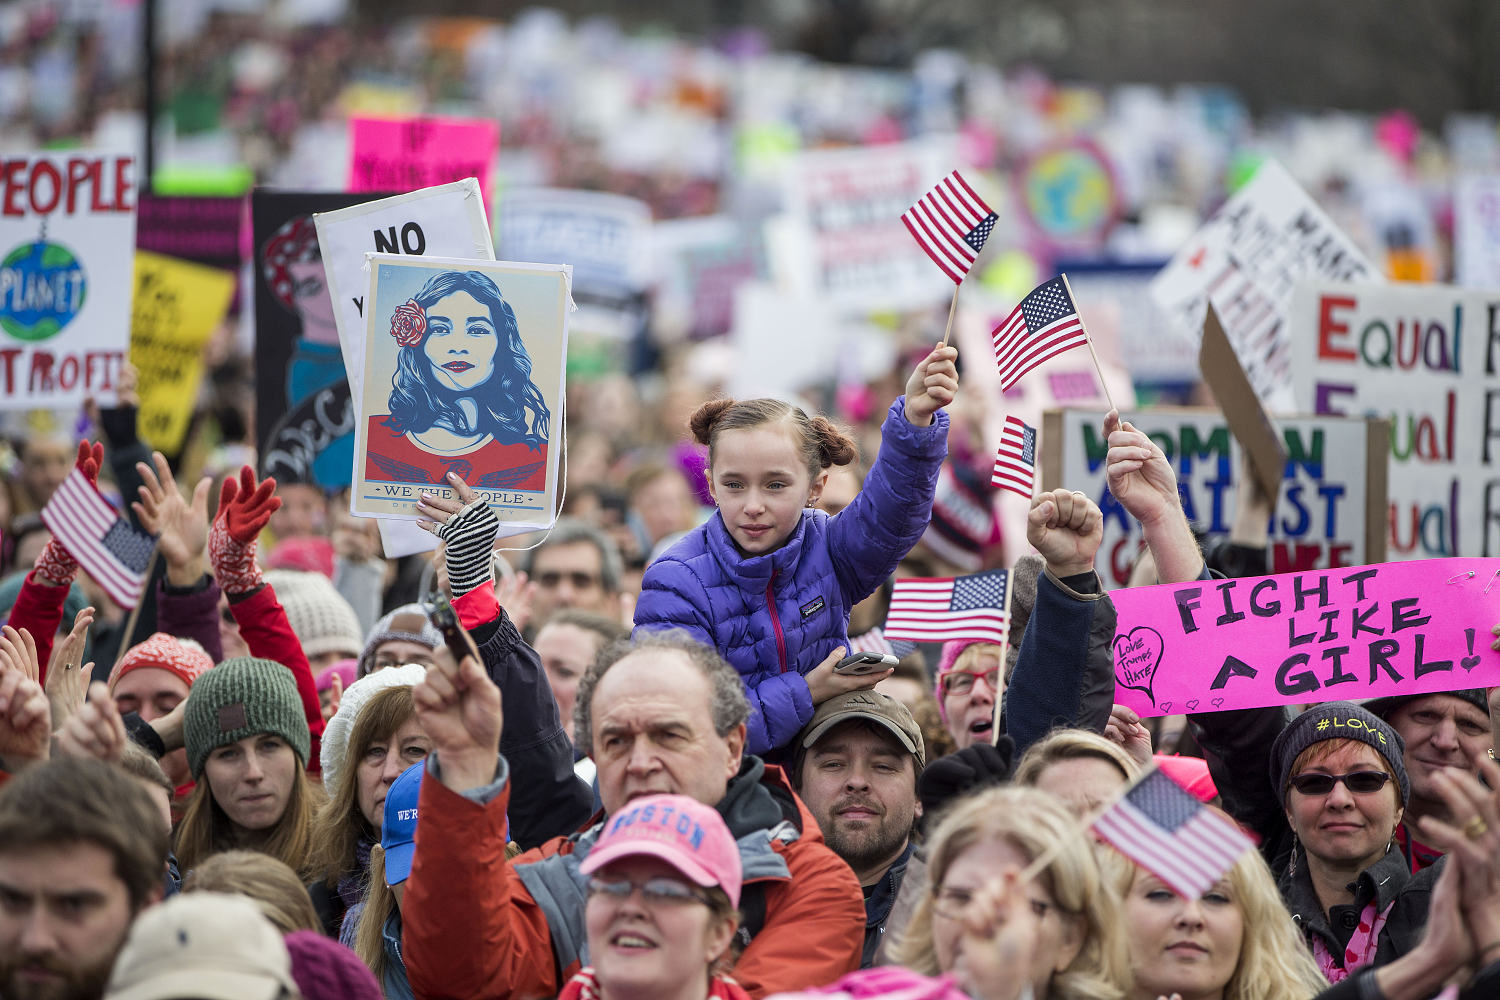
(683, 832)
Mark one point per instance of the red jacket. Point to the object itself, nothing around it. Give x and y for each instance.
(472, 927)
(268, 633)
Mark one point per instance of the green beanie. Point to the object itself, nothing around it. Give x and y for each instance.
(243, 697)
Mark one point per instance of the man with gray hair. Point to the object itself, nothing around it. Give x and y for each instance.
(576, 566)
(659, 714)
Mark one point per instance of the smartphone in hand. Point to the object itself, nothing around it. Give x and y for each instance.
(455, 636)
(860, 664)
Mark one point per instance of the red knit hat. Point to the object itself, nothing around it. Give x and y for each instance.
(163, 652)
(326, 970)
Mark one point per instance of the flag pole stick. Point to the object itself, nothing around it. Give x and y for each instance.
(951, 307)
(135, 612)
(1005, 649)
(1090, 341)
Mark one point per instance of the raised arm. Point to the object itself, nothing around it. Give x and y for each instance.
(1141, 478)
(187, 603)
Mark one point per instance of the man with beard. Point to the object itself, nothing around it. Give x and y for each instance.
(82, 851)
(856, 770)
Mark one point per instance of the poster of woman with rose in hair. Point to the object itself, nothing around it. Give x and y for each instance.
(464, 373)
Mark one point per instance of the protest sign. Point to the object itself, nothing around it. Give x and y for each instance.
(1330, 508)
(1070, 195)
(701, 263)
(605, 237)
(1116, 298)
(67, 232)
(1296, 638)
(1246, 260)
(1247, 418)
(304, 416)
(473, 352)
(1426, 355)
(200, 229)
(1476, 231)
(443, 221)
(403, 154)
(846, 243)
(177, 306)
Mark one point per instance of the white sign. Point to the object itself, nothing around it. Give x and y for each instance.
(605, 237)
(67, 243)
(1476, 231)
(1246, 260)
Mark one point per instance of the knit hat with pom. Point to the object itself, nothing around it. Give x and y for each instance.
(164, 652)
(245, 696)
(323, 620)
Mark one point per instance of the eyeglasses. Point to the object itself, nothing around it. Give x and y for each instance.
(580, 581)
(962, 681)
(654, 890)
(383, 662)
(1358, 782)
(951, 903)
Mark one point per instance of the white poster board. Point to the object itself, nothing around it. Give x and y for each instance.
(606, 238)
(1476, 231)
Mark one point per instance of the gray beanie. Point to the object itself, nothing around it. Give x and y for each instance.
(320, 616)
(243, 697)
(1332, 721)
(410, 623)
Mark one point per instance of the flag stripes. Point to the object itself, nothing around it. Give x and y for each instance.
(1015, 462)
(1045, 324)
(951, 223)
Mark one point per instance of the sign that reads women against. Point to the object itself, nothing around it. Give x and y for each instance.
(1329, 635)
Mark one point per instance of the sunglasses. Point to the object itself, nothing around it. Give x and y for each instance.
(552, 579)
(1358, 782)
(653, 890)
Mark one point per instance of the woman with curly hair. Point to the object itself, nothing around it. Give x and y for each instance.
(462, 399)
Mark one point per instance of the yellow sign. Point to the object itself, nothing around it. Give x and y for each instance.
(177, 306)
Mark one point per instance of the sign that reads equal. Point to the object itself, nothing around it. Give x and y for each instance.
(1427, 357)
(1329, 511)
(1340, 634)
(67, 232)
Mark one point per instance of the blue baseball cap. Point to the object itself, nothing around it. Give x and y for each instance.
(398, 831)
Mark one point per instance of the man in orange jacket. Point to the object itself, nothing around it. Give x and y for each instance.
(659, 714)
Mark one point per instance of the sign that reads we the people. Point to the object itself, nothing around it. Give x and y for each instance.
(1426, 356)
(67, 232)
(1418, 627)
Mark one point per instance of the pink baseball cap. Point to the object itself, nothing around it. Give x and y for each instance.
(683, 832)
(1191, 773)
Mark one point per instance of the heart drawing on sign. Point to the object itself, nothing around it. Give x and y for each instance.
(1166, 706)
(1218, 703)
(1192, 705)
(1137, 655)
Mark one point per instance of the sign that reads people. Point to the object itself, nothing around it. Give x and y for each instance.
(403, 154)
(1329, 511)
(1246, 260)
(67, 232)
(846, 243)
(1427, 357)
(1327, 635)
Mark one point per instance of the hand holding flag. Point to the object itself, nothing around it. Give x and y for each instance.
(113, 551)
(936, 609)
(932, 385)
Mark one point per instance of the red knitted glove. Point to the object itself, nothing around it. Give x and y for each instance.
(55, 564)
(245, 507)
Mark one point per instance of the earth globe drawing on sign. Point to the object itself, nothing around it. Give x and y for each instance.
(42, 288)
(1070, 195)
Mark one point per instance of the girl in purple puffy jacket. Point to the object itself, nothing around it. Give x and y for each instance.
(768, 581)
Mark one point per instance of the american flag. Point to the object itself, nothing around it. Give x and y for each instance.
(1161, 827)
(1015, 462)
(110, 548)
(874, 641)
(1044, 325)
(936, 609)
(951, 223)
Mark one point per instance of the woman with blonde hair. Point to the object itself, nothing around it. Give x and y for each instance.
(1235, 942)
(271, 885)
(976, 909)
(1083, 769)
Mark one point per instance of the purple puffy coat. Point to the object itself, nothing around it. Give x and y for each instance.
(776, 616)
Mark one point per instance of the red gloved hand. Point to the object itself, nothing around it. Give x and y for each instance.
(55, 564)
(245, 507)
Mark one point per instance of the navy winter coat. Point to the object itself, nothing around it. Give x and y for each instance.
(776, 616)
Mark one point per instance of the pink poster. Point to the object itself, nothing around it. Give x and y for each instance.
(404, 154)
(1301, 638)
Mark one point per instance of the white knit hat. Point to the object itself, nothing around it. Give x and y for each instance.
(340, 728)
(320, 616)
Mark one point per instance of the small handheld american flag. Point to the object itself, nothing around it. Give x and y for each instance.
(1164, 829)
(112, 550)
(936, 609)
(951, 223)
(1044, 325)
(1015, 462)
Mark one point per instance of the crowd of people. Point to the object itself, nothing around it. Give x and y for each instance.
(558, 781)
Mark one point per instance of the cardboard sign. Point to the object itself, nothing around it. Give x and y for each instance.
(845, 242)
(1476, 231)
(1330, 508)
(403, 154)
(177, 307)
(1296, 638)
(1246, 259)
(473, 353)
(1247, 418)
(605, 237)
(67, 232)
(1426, 356)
